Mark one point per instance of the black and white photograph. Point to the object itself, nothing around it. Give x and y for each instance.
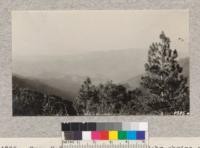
(100, 63)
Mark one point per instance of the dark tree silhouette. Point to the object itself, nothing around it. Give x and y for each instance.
(164, 79)
(112, 97)
(87, 99)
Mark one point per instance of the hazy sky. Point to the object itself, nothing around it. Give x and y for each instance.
(72, 32)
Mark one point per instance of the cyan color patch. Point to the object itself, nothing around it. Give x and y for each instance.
(131, 135)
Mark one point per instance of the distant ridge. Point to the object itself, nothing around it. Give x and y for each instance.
(37, 85)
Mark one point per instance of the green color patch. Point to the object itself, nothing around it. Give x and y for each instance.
(122, 135)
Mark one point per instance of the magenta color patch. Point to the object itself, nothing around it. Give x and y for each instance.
(95, 135)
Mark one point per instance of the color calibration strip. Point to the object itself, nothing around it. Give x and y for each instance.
(105, 131)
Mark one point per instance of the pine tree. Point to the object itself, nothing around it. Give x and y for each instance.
(86, 101)
(164, 79)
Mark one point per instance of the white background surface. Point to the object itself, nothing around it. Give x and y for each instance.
(169, 126)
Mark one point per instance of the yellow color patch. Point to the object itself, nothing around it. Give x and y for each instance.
(113, 135)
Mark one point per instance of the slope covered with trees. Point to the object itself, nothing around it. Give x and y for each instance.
(163, 89)
(28, 101)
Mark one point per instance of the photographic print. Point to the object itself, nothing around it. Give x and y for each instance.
(100, 62)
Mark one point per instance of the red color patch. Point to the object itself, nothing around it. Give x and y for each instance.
(103, 135)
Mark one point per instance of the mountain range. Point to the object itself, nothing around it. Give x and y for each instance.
(63, 75)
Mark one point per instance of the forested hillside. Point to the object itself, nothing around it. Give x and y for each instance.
(28, 101)
(163, 88)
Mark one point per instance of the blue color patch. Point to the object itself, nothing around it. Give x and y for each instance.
(140, 135)
(131, 135)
